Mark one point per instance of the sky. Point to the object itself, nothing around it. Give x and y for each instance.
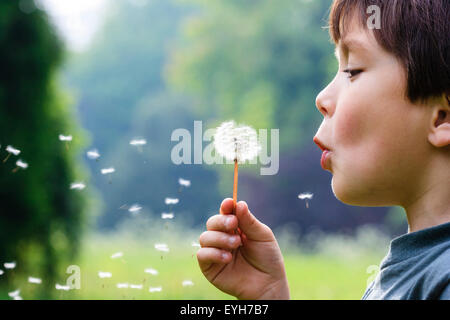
(76, 20)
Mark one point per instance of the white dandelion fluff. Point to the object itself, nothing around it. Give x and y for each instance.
(305, 196)
(62, 287)
(138, 142)
(9, 265)
(20, 164)
(155, 289)
(187, 283)
(171, 200)
(167, 215)
(1, 272)
(195, 244)
(236, 142)
(34, 280)
(103, 274)
(13, 294)
(184, 183)
(65, 138)
(151, 271)
(12, 150)
(135, 208)
(136, 286)
(18, 298)
(161, 247)
(122, 285)
(93, 154)
(117, 255)
(77, 186)
(108, 170)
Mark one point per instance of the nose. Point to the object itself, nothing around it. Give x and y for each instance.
(325, 101)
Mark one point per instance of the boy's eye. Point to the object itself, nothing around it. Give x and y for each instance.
(352, 72)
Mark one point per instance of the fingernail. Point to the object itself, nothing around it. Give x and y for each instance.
(224, 256)
(232, 240)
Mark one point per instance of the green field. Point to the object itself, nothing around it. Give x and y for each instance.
(335, 269)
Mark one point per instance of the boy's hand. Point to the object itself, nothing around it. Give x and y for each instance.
(249, 266)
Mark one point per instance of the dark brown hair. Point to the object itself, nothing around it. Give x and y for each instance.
(417, 32)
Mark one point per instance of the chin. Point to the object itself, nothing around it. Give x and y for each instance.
(353, 193)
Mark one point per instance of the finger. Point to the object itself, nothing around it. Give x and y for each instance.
(250, 226)
(220, 240)
(227, 206)
(225, 223)
(207, 256)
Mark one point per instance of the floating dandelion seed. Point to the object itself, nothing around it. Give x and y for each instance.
(151, 271)
(65, 139)
(9, 265)
(117, 255)
(187, 283)
(237, 143)
(155, 289)
(135, 209)
(11, 150)
(20, 165)
(62, 287)
(195, 244)
(305, 196)
(171, 200)
(34, 280)
(122, 285)
(77, 186)
(139, 143)
(102, 274)
(166, 215)
(1, 272)
(18, 298)
(108, 170)
(93, 154)
(14, 293)
(136, 286)
(161, 247)
(184, 183)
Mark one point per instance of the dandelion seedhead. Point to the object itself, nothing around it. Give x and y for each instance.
(1, 272)
(236, 142)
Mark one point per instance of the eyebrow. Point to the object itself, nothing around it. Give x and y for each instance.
(353, 45)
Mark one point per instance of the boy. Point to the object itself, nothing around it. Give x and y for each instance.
(386, 139)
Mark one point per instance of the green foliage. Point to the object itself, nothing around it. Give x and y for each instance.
(262, 62)
(41, 218)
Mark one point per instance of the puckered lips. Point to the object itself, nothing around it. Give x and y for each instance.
(324, 161)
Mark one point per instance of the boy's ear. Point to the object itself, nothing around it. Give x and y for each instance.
(439, 135)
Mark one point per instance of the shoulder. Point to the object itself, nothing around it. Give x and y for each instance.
(436, 277)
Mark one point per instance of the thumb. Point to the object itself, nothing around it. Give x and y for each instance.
(250, 226)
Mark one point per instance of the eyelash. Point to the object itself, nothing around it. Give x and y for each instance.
(352, 72)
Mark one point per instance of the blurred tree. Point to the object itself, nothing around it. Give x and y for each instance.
(259, 62)
(41, 218)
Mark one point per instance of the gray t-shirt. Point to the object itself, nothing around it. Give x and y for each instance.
(417, 267)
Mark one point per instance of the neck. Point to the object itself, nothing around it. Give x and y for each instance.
(430, 205)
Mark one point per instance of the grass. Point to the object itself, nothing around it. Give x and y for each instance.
(335, 269)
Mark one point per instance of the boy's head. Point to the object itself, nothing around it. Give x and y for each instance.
(386, 112)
